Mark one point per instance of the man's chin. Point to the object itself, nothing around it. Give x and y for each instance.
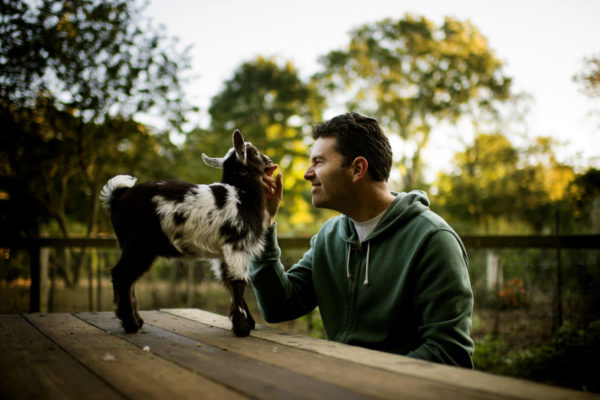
(316, 202)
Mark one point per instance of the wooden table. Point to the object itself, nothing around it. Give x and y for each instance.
(189, 353)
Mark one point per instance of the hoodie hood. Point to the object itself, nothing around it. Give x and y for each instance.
(404, 207)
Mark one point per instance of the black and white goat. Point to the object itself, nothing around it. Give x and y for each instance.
(224, 222)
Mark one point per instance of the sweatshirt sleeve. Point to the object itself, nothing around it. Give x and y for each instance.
(282, 296)
(444, 302)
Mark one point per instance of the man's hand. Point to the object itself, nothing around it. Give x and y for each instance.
(274, 191)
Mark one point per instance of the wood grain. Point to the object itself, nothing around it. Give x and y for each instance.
(459, 378)
(35, 367)
(252, 377)
(136, 373)
(355, 376)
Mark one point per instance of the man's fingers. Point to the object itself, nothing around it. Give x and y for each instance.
(270, 169)
(278, 184)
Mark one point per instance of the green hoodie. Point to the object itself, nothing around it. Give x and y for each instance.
(404, 290)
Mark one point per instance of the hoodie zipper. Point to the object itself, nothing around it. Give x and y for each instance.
(355, 283)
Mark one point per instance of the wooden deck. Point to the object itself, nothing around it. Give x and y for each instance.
(189, 353)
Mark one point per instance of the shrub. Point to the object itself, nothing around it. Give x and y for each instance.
(490, 355)
(570, 359)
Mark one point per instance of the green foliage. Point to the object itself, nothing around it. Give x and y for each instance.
(412, 75)
(314, 324)
(494, 182)
(72, 77)
(568, 360)
(583, 201)
(589, 76)
(87, 56)
(490, 355)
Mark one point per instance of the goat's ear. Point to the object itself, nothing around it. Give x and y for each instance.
(212, 162)
(239, 145)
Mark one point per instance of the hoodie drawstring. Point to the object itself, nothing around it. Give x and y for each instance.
(348, 261)
(366, 281)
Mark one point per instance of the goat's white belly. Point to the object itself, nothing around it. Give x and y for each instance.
(198, 247)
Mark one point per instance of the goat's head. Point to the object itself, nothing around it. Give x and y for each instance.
(246, 154)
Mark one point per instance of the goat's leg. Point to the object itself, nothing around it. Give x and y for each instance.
(238, 313)
(134, 302)
(249, 318)
(128, 269)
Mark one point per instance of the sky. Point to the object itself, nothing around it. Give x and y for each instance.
(542, 44)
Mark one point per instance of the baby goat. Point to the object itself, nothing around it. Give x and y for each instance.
(224, 222)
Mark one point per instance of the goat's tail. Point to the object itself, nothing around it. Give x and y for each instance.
(114, 188)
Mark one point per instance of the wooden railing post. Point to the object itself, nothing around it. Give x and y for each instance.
(558, 320)
(34, 273)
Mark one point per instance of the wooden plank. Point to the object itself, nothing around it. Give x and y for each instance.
(133, 372)
(34, 367)
(353, 376)
(252, 377)
(498, 386)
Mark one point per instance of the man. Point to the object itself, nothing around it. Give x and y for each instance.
(388, 273)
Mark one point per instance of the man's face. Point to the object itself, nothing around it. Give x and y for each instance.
(331, 181)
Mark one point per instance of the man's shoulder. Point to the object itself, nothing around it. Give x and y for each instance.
(431, 220)
(332, 225)
(434, 224)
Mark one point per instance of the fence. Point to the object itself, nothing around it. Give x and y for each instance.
(487, 250)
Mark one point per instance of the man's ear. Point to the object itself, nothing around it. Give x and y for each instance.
(359, 166)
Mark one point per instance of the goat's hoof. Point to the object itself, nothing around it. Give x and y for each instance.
(139, 320)
(241, 331)
(240, 328)
(132, 326)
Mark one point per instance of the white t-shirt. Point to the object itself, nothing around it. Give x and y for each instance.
(364, 228)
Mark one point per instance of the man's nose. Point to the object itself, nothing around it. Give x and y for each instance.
(309, 173)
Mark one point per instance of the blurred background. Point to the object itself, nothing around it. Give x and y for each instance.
(492, 109)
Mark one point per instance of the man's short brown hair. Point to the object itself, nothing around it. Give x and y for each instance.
(357, 135)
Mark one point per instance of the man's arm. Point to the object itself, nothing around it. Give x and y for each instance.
(281, 295)
(444, 302)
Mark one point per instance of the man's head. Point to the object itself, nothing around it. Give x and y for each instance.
(350, 157)
(357, 135)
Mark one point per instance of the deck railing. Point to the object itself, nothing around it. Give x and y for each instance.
(492, 242)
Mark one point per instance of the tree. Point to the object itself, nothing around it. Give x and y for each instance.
(497, 186)
(589, 77)
(78, 66)
(274, 110)
(412, 75)
(583, 198)
(479, 189)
